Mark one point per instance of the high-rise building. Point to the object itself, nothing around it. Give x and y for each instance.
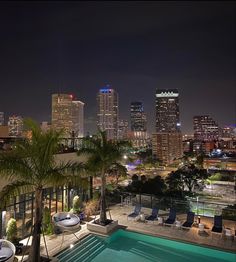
(167, 147)
(1, 119)
(228, 132)
(138, 121)
(123, 129)
(67, 115)
(167, 141)
(15, 125)
(167, 110)
(205, 128)
(107, 100)
(78, 118)
(138, 117)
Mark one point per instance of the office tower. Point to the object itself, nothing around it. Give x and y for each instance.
(15, 125)
(1, 119)
(107, 100)
(205, 128)
(123, 129)
(67, 115)
(228, 132)
(78, 118)
(167, 141)
(167, 110)
(138, 125)
(137, 117)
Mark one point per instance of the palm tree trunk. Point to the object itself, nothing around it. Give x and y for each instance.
(103, 216)
(35, 247)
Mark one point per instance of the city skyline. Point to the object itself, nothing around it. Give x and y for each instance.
(74, 48)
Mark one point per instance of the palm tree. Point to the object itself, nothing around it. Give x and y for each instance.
(31, 166)
(103, 154)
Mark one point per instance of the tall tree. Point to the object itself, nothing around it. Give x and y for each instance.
(188, 177)
(103, 154)
(30, 167)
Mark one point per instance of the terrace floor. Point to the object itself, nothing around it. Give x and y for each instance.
(120, 213)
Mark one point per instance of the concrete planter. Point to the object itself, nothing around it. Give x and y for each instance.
(91, 226)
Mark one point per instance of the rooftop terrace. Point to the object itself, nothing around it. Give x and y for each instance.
(120, 213)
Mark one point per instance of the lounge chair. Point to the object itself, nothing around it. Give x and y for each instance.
(190, 220)
(153, 216)
(135, 214)
(171, 219)
(217, 227)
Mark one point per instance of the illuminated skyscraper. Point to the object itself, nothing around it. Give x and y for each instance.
(107, 100)
(138, 125)
(78, 118)
(68, 115)
(138, 117)
(15, 125)
(123, 129)
(205, 128)
(167, 141)
(167, 110)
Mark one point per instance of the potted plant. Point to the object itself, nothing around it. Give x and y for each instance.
(11, 231)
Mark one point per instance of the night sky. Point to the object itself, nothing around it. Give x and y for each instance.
(78, 47)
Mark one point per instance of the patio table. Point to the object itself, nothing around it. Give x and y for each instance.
(5, 253)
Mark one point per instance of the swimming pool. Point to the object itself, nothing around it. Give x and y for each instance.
(126, 246)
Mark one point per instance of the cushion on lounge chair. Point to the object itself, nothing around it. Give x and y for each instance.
(217, 227)
(153, 216)
(137, 209)
(190, 220)
(136, 212)
(187, 224)
(218, 221)
(132, 215)
(169, 221)
(172, 217)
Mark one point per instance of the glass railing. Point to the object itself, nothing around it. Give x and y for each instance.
(201, 208)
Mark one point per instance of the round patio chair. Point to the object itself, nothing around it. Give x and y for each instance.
(7, 251)
(66, 222)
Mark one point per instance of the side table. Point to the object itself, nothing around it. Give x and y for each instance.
(201, 228)
(142, 217)
(178, 224)
(160, 220)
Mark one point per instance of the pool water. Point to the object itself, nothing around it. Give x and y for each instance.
(126, 246)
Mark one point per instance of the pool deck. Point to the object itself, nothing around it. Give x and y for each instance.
(120, 213)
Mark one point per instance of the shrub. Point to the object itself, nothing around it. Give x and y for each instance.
(229, 212)
(47, 224)
(11, 230)
(76, 204)
(91, 207)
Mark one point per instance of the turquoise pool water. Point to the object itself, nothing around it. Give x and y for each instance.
(126, 246)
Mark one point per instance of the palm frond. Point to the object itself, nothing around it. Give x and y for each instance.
(13, 167)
